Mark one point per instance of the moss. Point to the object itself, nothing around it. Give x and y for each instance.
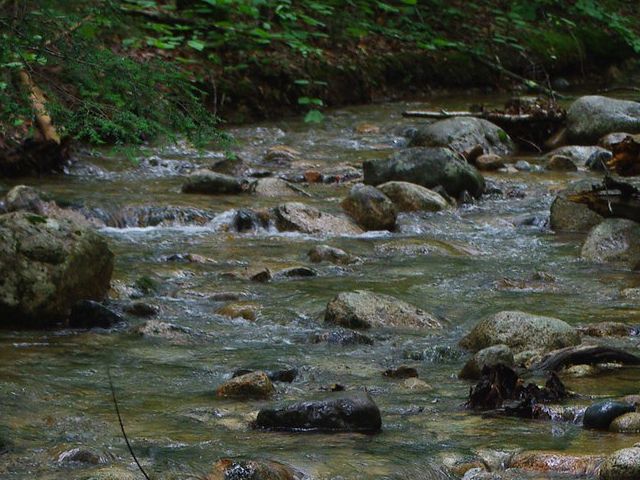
(34, 219)
(146, 284)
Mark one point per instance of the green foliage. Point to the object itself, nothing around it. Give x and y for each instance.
(96, 93)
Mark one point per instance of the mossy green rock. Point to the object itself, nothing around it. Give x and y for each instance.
(47, 265)
(521, 331)
(429, 167)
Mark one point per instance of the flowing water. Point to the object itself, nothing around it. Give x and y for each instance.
(54, 387)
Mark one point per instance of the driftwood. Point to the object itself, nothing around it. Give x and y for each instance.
(502, 391)
(613, 198)
(584, 355)
(529, 122)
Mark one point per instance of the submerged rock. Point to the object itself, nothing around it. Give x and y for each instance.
(570, 216)
(228, 469)
(600, 415)
(326, 253)
(614, 240)
(559, 463)
(251, 385)
(591, 117)
(297, 217)
(213, 183)
(409, 197)
(342, 337)
(521, 331)
(622, 464)
(248, 311)
(90, 314)
(402, 372)
(166, 331)
(141, 309)
(370, 208)
(362, 309)
(274, 187)
(351, 412)
(429, 167)
(47, 265)
(462, 134)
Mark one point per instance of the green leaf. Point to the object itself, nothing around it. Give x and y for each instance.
(314, 116)
(196, 44)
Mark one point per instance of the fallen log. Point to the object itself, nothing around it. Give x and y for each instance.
(494, 117)
(613, 198)
(584, 355)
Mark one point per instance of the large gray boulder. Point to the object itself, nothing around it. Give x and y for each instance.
(298, 217)
(463, 134)
(614, 240)
(579, 154)
(429, 167)
(409, 197)
(593, 116)
(362, 309)
(521, 331)
(46, 266)
(370, 208)
(568, 216)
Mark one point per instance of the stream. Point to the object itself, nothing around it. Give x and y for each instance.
(461, 265)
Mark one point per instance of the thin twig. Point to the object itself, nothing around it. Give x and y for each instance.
(124, 434)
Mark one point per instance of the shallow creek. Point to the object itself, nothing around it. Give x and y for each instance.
(54, 388)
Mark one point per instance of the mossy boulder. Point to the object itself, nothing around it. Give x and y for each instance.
(46, 266)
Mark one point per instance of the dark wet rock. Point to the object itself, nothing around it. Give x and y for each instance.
(273, 187)
(247, 220)
(231, 165)
(462, 134)
(353, 412)
(598, 160)
(561, 163)
(489, 162)
(429, 167)
(298, 217)
(141, 309)
(213, 183)
(370, 208)
(228, 469)
(570, 216)
(286, 376)
(591, 117)
(296, 272)
(250, 385)
(362, 309)
(409, 197)
(326, 253)
(626, 423)
(578, 154)
(490, 357)
(622, 464)
(401, 372)
(600, 415)
(521, 331)
(47, 265)
(248, 311)
(523, 166)
(80, 455)
(615, 240)
(90, 314)
(255, 274)
(426, 246)
(342, 337)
